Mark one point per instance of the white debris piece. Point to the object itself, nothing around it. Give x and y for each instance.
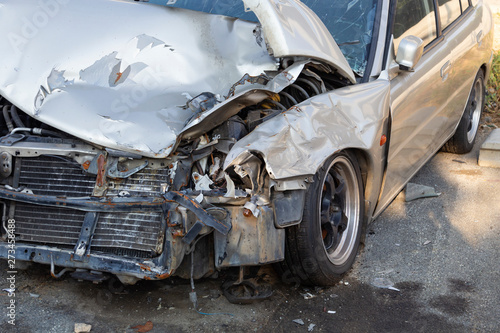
(82, 328)
(214, 167)
(230, 193)
(199, 198)
(298, 321)
(384, 283)
(202, 183)
(310, 327)
(308, 296)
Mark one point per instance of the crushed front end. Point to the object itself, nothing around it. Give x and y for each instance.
(87, 209)
(146, 156)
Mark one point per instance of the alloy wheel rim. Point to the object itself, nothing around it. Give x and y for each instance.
(339, 210)
(475, 105)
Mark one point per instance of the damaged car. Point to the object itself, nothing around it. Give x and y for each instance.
(144, 140)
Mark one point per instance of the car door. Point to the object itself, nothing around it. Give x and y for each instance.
(427, 102)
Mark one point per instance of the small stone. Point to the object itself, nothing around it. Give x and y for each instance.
(298, 321)
(82, 328)
(427, 242)
(34, 295)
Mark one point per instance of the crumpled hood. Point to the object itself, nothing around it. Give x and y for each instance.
(119, 74)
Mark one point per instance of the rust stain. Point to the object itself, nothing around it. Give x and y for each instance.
(86, 165)
(118, 77)
(101, 168)
(163, 276)
(178, 233)
(144, 267)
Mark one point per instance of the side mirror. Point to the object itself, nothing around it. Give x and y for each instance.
(410, 51)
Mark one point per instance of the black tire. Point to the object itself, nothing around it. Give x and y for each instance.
(324, 245)
(465, 136)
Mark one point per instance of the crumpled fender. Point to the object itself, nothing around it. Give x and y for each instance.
(299, 140)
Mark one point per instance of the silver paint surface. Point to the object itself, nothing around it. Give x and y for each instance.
(123, 83)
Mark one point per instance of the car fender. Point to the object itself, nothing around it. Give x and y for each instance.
(298, 141)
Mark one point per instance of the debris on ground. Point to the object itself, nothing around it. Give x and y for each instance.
(417, 191)
(310, 327)
(308, 295)
(330, 311)
(34, 295)
(384, 283)
(427, 242)
(298, 321)
(82, 328)
(148, 326)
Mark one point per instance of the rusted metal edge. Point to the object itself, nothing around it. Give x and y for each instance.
(156, 269)
(87, 204)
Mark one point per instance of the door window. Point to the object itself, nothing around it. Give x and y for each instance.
(449, 11)
(414, 17)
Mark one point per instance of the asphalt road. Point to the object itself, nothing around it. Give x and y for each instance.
(441, 253)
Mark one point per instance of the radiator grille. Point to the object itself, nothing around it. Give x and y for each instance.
(51, 175)
(48, 225)
(136, 231)
(136, 234)
(146, 182)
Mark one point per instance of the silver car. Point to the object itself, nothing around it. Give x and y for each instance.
(145, 140)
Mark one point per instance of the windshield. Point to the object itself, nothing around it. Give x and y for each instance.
(349, 21)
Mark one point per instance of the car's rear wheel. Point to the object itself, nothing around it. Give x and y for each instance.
(465, 136)
(323, 247)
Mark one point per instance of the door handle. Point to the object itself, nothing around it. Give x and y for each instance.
(479, 38)
(445, 70)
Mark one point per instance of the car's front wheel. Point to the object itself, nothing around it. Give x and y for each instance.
(323, 247)
(465, 135)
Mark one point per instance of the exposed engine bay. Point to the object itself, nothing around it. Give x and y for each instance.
(154, 212)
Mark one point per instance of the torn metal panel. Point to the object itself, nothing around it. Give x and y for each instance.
(251, 241)
(125, 89)
(292, 29)
(259, 91)
(297, 141)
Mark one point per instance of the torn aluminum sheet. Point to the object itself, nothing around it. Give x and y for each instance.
(124, 88)
(298, 141)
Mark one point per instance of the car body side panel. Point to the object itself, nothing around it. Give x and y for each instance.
(299, 140)
(426, 106)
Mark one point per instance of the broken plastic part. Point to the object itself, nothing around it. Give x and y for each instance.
(202, 183)
(230, 189)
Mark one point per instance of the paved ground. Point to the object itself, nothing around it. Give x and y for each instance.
(441, 253)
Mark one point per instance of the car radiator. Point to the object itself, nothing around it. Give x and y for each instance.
(132, 234)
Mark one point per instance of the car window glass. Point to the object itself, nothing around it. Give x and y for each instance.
(351, 24)
(349, 21)
(414, 17)
(465, 4)
(449, 11)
